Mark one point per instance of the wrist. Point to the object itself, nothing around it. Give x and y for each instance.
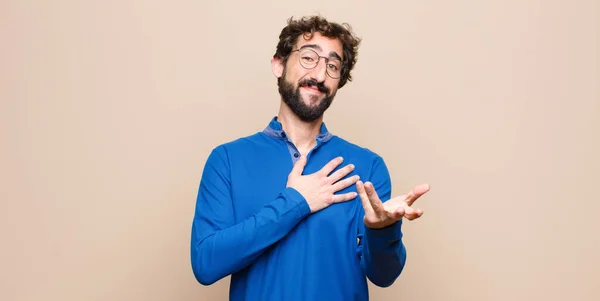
(392, 230)
(379, 225)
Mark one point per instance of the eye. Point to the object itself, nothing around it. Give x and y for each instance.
(307, 58)
(332, 67)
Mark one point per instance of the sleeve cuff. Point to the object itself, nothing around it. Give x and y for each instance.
(391, 232)
(299, 201)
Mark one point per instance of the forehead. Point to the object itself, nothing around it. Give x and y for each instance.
(325, 46)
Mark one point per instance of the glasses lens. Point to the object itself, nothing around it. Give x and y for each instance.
(334, 68)
(309, 58)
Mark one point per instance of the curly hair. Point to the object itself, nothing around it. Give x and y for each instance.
(307, 26)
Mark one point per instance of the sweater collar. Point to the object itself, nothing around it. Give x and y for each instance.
(275, 130)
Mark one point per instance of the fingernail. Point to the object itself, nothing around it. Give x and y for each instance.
(351, 166)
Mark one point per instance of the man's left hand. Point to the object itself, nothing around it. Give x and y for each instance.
(380, 215)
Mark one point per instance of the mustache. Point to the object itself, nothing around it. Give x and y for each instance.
(313, 83)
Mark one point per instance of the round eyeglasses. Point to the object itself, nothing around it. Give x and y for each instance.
(309, 59)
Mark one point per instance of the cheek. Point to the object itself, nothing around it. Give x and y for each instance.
(293, 70)
(333, 86)
(292, 76)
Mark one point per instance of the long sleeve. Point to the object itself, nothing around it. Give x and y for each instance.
(382, 252)
(219, 245)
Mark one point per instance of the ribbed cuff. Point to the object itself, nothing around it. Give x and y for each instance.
(301, 205)
(391, 232)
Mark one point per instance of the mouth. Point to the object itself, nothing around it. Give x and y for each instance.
(312, 89)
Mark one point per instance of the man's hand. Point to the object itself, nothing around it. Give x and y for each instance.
(380, 215)
(319, 188)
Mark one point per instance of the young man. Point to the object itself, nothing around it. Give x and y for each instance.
(295, 212)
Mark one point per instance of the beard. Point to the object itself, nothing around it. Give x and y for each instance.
(292, 97)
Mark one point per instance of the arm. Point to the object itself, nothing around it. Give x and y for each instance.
(382, 252)
(219, 246)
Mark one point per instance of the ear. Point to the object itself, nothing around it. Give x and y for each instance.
(277, 67)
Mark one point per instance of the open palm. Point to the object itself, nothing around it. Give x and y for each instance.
(380, 215)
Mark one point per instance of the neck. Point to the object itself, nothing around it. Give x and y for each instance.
(302, 133)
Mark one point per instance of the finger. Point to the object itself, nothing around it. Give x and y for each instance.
(331, 165)
(412, 214)
(376, 203)
(416, 193)
(398, 213)
(340, 173)
(360, 188)
(299, 166)
(338, 198)
(345, 183)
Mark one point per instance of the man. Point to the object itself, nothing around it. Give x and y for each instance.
(279, 211)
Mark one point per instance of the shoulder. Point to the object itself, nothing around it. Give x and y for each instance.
(240, 143)
(356, 150)
(245, 145)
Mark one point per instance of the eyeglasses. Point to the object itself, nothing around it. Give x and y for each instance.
(309, 59)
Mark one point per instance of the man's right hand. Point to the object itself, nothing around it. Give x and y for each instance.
(319, 188)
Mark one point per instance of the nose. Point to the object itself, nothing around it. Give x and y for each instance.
(319, 73)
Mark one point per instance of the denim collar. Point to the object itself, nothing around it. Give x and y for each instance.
(275, 130)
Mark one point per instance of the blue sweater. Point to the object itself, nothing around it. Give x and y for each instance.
(247, 224)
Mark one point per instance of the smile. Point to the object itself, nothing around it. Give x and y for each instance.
(312, 89)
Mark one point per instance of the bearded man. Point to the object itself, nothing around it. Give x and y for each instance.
(295, 212)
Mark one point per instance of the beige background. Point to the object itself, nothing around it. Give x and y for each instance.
(109, 109)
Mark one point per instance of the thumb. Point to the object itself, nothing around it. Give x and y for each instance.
(299, 166)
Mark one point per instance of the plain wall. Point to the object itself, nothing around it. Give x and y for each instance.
(110, 108)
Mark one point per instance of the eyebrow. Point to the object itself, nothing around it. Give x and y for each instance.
(317, 47)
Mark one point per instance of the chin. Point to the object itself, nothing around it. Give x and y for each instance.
(312, 100)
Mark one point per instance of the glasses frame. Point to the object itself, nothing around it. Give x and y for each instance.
(319, 57)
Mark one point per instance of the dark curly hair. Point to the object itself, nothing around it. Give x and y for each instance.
(307, 26)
